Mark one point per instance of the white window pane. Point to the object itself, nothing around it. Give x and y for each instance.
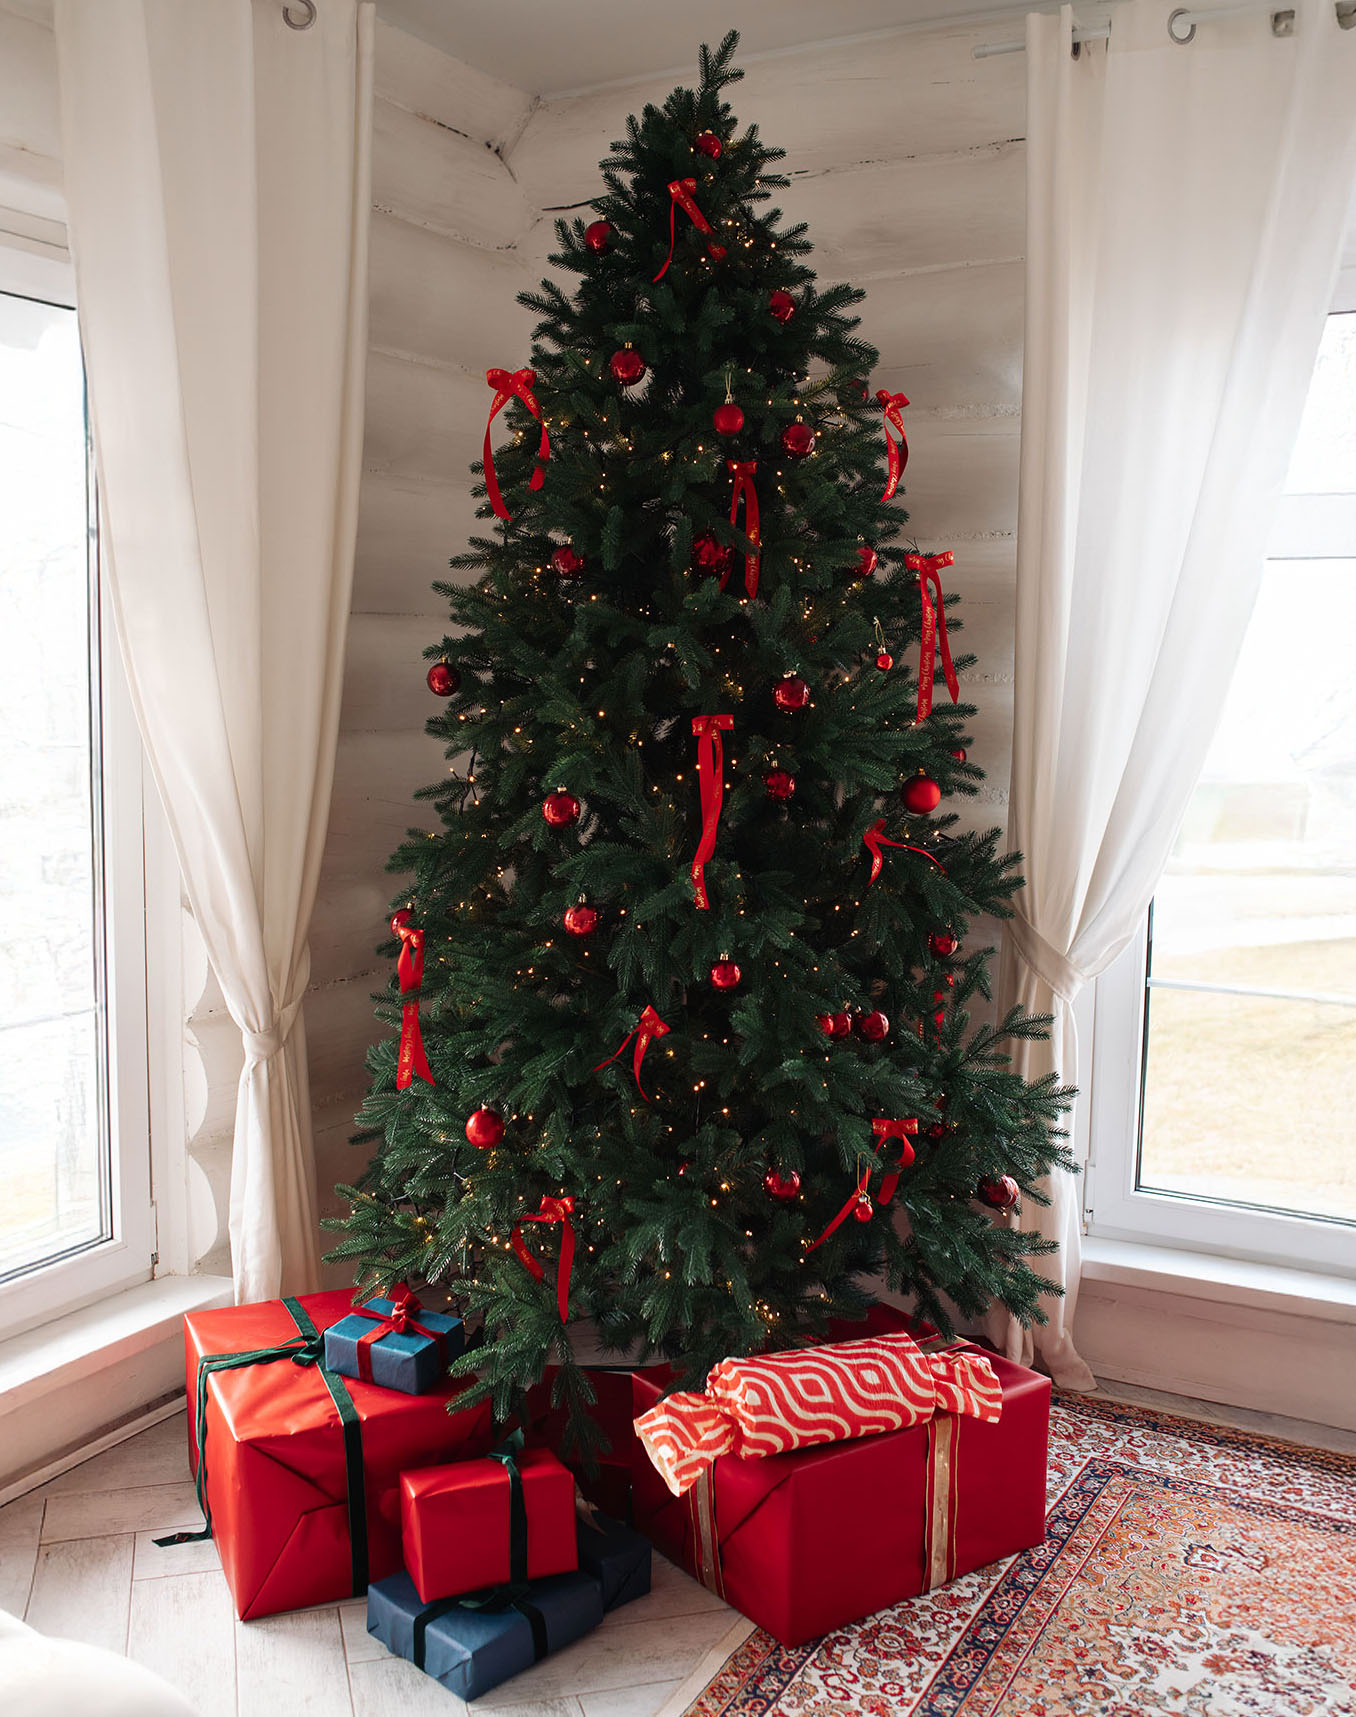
(1324, 460)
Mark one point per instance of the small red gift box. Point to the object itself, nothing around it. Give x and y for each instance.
(459, 1523)
(302, 1468)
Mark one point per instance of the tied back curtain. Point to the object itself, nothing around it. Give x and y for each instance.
(217, 186)
(1185, 208)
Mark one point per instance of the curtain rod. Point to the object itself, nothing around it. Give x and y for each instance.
(1182, 26)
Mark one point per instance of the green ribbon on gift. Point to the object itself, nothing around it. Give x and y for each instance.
(307, 1349)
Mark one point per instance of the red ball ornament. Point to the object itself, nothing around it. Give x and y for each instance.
(779, 784)
(943, 944)
(959, 754)
(782, 305)
(921, 795)
(443, 679)
(725, 975)
(885, 661)
(580, 920)
(712, 558)
(873, 1026)
(1000, 1194)
(867, 561)
(560, 809)
(935, 1130)
(708, 144)
(728, 418)
(798, 440)
(567, 562)
(598, 237)
(781, 1186)
(485, 1128)
(855, 392)
(863, 1210)
(401, 920)
(835, 1025)
(627, 366)
(791, 693)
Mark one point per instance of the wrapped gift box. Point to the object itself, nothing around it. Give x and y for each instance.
(412, 1359)
(470, 1650)
(457, 1523)
(616, 1557)
(288, 1469)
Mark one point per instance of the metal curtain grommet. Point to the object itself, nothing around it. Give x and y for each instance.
(1190, 36)
(305, 21)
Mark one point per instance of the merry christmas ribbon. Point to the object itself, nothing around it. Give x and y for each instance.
(398, 1321)
(742, 470)
(551, 1210)
(875, 838)
(680, 197)
(903, 1131)
(928, 566)
(645, 1030)
(410, 1058)
(897, 452)
(711, 775)
(513, 385)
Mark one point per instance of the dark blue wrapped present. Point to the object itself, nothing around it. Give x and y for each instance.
(469, 1650)
(394, 1343)
(616, 1557)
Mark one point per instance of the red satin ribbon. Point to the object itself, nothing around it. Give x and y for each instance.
(742, 471)
(858, 1192)
(680, 195)
(893, 404)
(901, 1130)
(516, 384)
(550, 1210)
(928, 566)
(647, 1027)
(400, 1319)
(410, 1058)
(711, 775)
(876, 838)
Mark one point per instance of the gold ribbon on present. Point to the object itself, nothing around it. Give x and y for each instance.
(701, 1502)
(941, 1491)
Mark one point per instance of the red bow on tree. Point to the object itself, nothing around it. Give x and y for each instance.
(898, 454)
(550, 1210)
(876, 838)
(928, 567)
(680, 197)
(742, 470)
(646, 1028)
(711, 775)
(398, 1321)
(410, 1058)
(516, 384)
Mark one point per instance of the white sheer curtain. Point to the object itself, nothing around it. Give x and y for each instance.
(217, 182)
(1184, 213)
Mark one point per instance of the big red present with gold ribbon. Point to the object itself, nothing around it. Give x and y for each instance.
(301, 1472)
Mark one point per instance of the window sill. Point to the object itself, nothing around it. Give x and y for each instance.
(1228, 1281)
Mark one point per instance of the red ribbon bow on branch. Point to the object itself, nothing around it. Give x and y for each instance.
(742, 470)
(399, 1321)
(901, 1130)
(516, 384)
(928, 566)
(550, 1210)
(646, 1028)
(711, 775)
(876, 838)
(410, 1058)
(893, 404)
(680, 195)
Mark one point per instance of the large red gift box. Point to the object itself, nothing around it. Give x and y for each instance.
(808, 1541)
(291, 1450)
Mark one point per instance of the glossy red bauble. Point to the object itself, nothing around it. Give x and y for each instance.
(567, 561)
(728, 418)
(485, 1128)
(835, 1025)
(873, 1026)
(598, 237)
(711, 558)
(943, 944)
(1000, 1194)
(725, 975)
(782, 305)
(443, 679)
(867, 561)
(401, 920)
(708, 144)
(580, 920)
(935, 1130)
(863, 1210)
(855, 392)
(791, 693)
(921, 795)
(885, 661)
(798, 441)
(779, 784)
(959, 754)
(627, 367)
(560, 809)
(781, 1186)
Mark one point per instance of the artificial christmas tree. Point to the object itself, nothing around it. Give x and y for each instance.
(690, 693)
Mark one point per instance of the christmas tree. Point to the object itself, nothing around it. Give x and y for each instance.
(686, 1048)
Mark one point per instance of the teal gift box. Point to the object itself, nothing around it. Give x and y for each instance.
(394, 1343)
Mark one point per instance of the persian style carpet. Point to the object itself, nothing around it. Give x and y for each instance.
(1187, 1570)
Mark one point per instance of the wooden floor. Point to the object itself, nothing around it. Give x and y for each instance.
(77, 1562)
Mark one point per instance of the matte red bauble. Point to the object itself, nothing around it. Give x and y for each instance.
(779, 784)
(782, 1186)
(560, 809)
(798, 441)
(567, 561)
(959, 754)
(598, 237)
(728, 418)
(725, 975)
(708, 144)
(1000, 1194)
(791, 693)
(401, 919)
(484, 1129)
(885, 661)
(580, 920)
(873, 1026)
(867, 561)
(863, 1210)
(921, 795)
(627, 367)
(782, 305)
(443, 679)
(943, 944)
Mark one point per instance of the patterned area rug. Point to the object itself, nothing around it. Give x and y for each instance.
(1187, 1570)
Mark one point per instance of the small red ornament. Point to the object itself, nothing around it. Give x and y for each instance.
(711, 558)
(782, 305)
(1000, 1194)
(485, 1128)
(779, 784)
(708, 144)
(855, 392)
(943, 944)
(627, 367)
(598, 237)
(560, 809)
(867, 561)
(798, 440)
(885, 661)
(401, 919)
(935, 1130)
(921, 795)
(791, 693)
(835, 1025)
(725, 975)
(872, 1026)
(959, 754)
(580, 920)
(863, 1210)
(443, 679)
(567, 562)
(728, 418)
(781, 1186)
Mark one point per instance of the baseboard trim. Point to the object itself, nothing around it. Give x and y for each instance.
(86, 1450)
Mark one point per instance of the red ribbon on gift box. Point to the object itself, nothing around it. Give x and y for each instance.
(897, 452)
(742, 470)
(411, 1059)
(928, 566)
(711, 775)
(550, 1210)
(516, 384)
(646, 1028)
(680, 197)
(398, 1321)
(875, 838)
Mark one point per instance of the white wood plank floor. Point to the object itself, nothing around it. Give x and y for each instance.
(77, 1562)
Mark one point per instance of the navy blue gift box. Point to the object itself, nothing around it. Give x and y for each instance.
(406, 1360)
(617, 1557)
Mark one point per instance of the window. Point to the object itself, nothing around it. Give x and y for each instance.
(75, 1212)
(1230, 1129)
